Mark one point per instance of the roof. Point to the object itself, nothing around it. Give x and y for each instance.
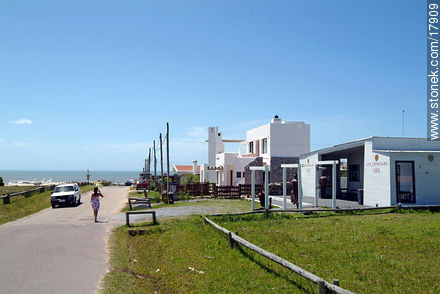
(361, 142)
(185, 168)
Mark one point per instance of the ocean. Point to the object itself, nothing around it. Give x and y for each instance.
(14, 176)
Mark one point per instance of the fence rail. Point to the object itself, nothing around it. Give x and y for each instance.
(209, 189)
(323, 285)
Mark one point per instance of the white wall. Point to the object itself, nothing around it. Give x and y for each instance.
(215, 145)
(289, 139)
(230, 161)
(284, 139)
(377, 180)
(259, 134)
(308, 175)
(426, 173)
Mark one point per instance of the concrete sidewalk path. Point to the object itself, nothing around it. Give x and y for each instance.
(59, 250)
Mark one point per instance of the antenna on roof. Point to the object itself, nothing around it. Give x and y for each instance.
(403, 123)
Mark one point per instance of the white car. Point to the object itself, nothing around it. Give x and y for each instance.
(66, 194)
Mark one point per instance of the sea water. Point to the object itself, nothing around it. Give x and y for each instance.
(16, 176)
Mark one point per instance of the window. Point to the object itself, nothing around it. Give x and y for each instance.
(63, 189)
(354, 173)
(251, 147)
(264, 145)
(405, 182)
(238, 174)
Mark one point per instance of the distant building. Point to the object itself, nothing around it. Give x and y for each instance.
(387, 170)
(193, 169)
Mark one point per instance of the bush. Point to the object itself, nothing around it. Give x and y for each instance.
(106, 183)
(187, 179)
(1, 182)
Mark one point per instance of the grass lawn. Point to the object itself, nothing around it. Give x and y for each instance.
(15, 189)
(21, 206)
(369, 253)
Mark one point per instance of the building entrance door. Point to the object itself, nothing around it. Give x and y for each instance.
(405, 182)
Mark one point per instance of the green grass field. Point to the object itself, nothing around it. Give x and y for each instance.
(15, 189)
(369, 253)
(21, 206)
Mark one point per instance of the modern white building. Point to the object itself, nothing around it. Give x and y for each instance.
(278, 142)
(272, 144)
(389, 170)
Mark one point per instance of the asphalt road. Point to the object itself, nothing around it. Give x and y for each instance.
(59, 250)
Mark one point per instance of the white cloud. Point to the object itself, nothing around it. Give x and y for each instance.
(197, 132)
(18, 143)
(23, 121)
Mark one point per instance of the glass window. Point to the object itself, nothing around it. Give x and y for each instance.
(354, 173)
(251, 147)
(264, 145)
(63, 189)
(238, 174)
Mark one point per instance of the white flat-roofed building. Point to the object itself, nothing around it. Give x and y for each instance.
(387, 170)
(273, 144)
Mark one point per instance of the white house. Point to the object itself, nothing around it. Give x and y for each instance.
(388, 170)
(274, 143)
(277, 143)
(223, 168)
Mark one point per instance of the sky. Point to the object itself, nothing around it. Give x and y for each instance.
(90, 84)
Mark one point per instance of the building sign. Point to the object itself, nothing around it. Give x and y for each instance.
(376, 165)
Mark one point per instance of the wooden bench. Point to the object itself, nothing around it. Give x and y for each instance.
(138, 200)
(127, 215)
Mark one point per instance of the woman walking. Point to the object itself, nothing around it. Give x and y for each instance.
(95, 202)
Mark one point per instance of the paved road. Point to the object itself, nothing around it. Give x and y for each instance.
(59, 250)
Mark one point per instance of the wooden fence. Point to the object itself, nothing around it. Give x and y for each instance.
(207, 189)
(7, 197)
(323, 286)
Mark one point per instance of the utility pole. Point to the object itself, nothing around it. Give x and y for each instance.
(154, 161)
(149, 160)
(145, 165)
(168, 159)
(161, 163)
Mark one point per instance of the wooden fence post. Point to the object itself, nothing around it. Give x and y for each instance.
(336, 282)
(27, 194)
(7, 199)
(230, 240)
(154, 218)
(321, 287)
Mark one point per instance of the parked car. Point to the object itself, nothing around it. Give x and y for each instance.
(128, 183)
(142, 185)
(66, 194)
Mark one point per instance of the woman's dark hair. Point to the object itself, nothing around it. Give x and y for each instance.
(95, 189)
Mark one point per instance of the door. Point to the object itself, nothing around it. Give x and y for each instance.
(405, 182)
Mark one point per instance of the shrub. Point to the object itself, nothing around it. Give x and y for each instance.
(106, 183)
(187, 179)
(1, 182)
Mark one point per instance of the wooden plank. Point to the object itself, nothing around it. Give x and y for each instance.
(127, 215)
